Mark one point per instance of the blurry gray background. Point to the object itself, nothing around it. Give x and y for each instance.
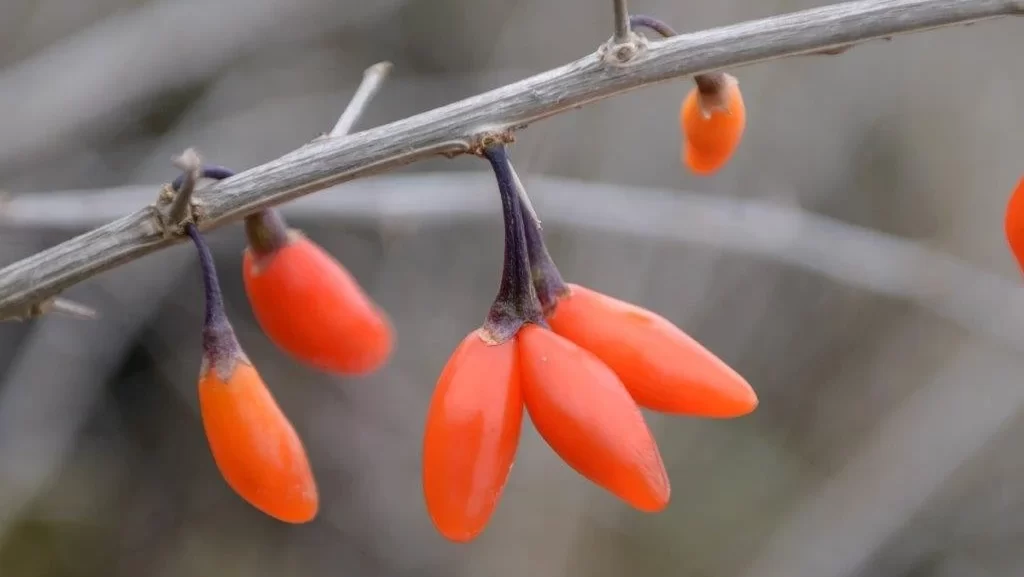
(887, 440)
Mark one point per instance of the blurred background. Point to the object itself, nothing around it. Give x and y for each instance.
(849, 261)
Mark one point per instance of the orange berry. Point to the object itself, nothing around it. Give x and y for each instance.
(1014, 223)
(712, 118)
(584, 413)
(253, 443)
(255, 446)
(663, 368)
(309, 305)
(472, 433)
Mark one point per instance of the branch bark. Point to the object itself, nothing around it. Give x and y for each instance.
(460, 127)
(975, 299)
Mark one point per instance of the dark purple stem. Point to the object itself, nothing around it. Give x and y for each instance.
(219, 342)
(706, 83)
(710, 84)
(208, 171)
(641, 21)
(547, 279)
(265, 230)
(516, 301)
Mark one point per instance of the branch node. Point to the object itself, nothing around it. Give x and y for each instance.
(487, 138)
(183, 207)
(615, 53)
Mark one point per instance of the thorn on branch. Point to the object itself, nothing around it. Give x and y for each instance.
(55, 305)
(179, 195)
(373, 79)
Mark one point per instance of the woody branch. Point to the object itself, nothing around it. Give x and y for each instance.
(458, 128)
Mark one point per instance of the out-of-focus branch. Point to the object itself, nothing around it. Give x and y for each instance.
(460, 127)
(64, 89)
(61, 369)
(978, 300)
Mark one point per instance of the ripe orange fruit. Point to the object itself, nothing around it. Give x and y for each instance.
(663, 368)
(712, 118)
(255, 446)
(584, 413)
(1014, 223)
(253, 443)
(472, 433)
(311, 307)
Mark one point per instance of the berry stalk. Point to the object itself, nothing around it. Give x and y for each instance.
(652, 23)
(516, 302)
(220, 346)
(709, 85)
(547, 279)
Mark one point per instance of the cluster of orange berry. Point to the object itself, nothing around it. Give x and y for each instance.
(580, 363)
(314, 310)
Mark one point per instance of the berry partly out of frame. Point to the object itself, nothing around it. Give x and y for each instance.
(1014, 223)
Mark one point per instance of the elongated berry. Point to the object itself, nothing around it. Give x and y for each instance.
(253, 443)
(663, 368)
(584, 413)
(472, 433)
(308, 303)
(255, 446)
(476, 412)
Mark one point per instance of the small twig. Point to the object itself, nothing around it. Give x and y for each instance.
(622, 28)
(191, 166)
(55, 305)
(69, 308)
(373, 78)
(624, 44)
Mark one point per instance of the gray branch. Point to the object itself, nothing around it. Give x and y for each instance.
(977, 300)
(459, 127)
